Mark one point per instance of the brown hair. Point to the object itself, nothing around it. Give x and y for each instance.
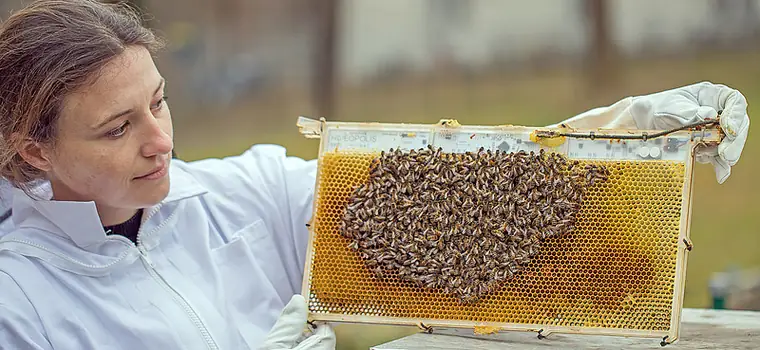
(48, 50)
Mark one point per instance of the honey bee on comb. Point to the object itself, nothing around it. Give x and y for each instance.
(462, 223)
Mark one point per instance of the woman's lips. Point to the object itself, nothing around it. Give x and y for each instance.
(156, 173)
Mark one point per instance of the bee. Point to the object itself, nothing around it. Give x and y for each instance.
(462, 223)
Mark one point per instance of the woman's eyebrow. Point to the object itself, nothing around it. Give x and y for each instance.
(123, 113)
(160, 85)
(112, 118)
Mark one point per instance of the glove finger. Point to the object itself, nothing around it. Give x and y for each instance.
(730, 151)
(671, 109)
(687, 115)
(731, 148)
(734, 118)
(710, 155)
(289, 327)
(722, 169)
(705, 113)
(322, 339)
(678, 112)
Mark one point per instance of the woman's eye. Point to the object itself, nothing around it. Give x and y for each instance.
(118, 132)
(159, 104)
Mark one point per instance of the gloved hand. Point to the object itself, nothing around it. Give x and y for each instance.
(677, 107)
(288, 332)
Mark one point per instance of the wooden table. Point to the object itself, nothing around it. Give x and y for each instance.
(700, 329)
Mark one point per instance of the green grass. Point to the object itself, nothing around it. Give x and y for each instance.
(725, 217)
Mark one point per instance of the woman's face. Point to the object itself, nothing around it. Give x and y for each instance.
(114, 139)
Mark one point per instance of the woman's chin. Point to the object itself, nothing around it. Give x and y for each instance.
(152, 195)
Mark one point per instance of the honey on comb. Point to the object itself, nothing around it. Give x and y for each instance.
(616, 269)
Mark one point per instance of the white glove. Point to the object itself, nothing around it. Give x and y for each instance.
(289, 330)
(677, 107)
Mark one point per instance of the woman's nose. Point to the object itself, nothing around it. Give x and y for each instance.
(158, 139)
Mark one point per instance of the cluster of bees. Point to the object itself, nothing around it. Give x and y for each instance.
(462, 223)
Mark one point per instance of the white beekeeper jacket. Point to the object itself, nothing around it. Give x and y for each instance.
(215, 262)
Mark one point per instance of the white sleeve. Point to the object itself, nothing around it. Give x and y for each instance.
(266, 181)
(299, 184)
(20, 326)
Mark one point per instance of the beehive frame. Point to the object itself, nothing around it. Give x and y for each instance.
(669, 160)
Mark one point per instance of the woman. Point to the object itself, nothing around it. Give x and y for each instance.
(137, 250)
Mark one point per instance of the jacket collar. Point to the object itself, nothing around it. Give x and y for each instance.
(79, 221)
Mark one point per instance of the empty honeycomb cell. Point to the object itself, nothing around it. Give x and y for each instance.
(616, 269)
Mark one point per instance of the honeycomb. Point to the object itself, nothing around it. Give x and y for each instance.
(617, 269)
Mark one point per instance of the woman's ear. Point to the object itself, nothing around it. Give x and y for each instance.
(35, 154)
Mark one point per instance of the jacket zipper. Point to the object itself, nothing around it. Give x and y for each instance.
(192, 314)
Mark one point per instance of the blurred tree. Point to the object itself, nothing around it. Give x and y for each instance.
(446, 18)
(602, 50)
(323, 78)
(738, 19)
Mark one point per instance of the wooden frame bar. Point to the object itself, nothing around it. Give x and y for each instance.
(321, 129)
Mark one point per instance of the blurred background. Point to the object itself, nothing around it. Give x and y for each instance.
(241, 71)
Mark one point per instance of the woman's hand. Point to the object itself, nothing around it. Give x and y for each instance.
(288, 331)
(678, 107)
